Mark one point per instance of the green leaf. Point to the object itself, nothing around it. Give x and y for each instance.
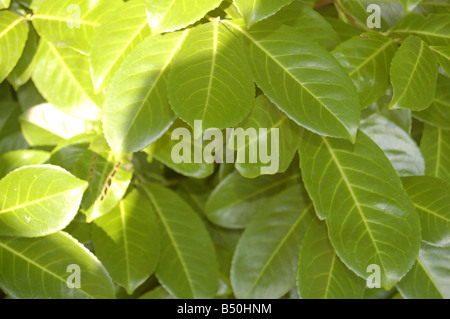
(45, 263)
(108, 178)
(45, 125)
(220, 91)
(171, 15)
(116, 38)
(72, 23)
(430, 276)
(162, 150)
(236, 199)
(321, 274)
(438, 114)
(401, 117)
(28, 96)
(4, 4)
(356, 11)
(38, 200)
(356, 188)
(397, 145)
(414, 74)
(367, 58)
(13, 37)
(435, 147)
(306, 22)
(410, 5)
(265, 262)
(442, 53)
(433, 29)
(265, 115)
(15, 159)
(187, 266)
(253, 11)
(127, 241)
(431, 197)
(136, 110)
(345, 31)
(25, 66)
(303, 80)
(63, 78)
(11, 137)
(434, 6)
(68, 152)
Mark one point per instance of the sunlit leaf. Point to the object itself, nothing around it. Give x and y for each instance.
(52, 259)
(38, 200)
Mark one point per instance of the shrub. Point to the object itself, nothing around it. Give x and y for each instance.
(224, 149)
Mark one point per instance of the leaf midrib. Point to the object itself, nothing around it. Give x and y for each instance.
(125, 244)
(285, 70)
(12, 25)
(155, 83)
(425, 270)
(3, 211)
(69, 72)
(62, 19)
(172, 239)
(419, 56)
(213, 67)
(121, 53)
(279, 246)
(30, 261)
(355, 199)
(372, 56)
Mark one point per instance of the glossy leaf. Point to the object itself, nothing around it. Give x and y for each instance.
(443, 55)
(45, 125)
(72, 23)
(303, 80)
(4, 4)
(13, 37)
(253, 11)
(108, 178)
(321, 274)
(431, 197)
(11, 137)
(414, 73)
(127, 241)
(409, 5)
(171, 15)
(433, 29)
(187, 266)
(306, 22)
(124, 29)
(38, 200)
(435, 147)
(236, 199)
(356, 188)
(63, 78)
(367, 58)
(265, 115)
(435, 6)
(15, 159)
(165, 148)
(265, 262)
(220, 91)
(50, 261)
(430, 276)
(399, 147)
(438, 114)
(357, 10)
(136, 99)
(25, 66)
